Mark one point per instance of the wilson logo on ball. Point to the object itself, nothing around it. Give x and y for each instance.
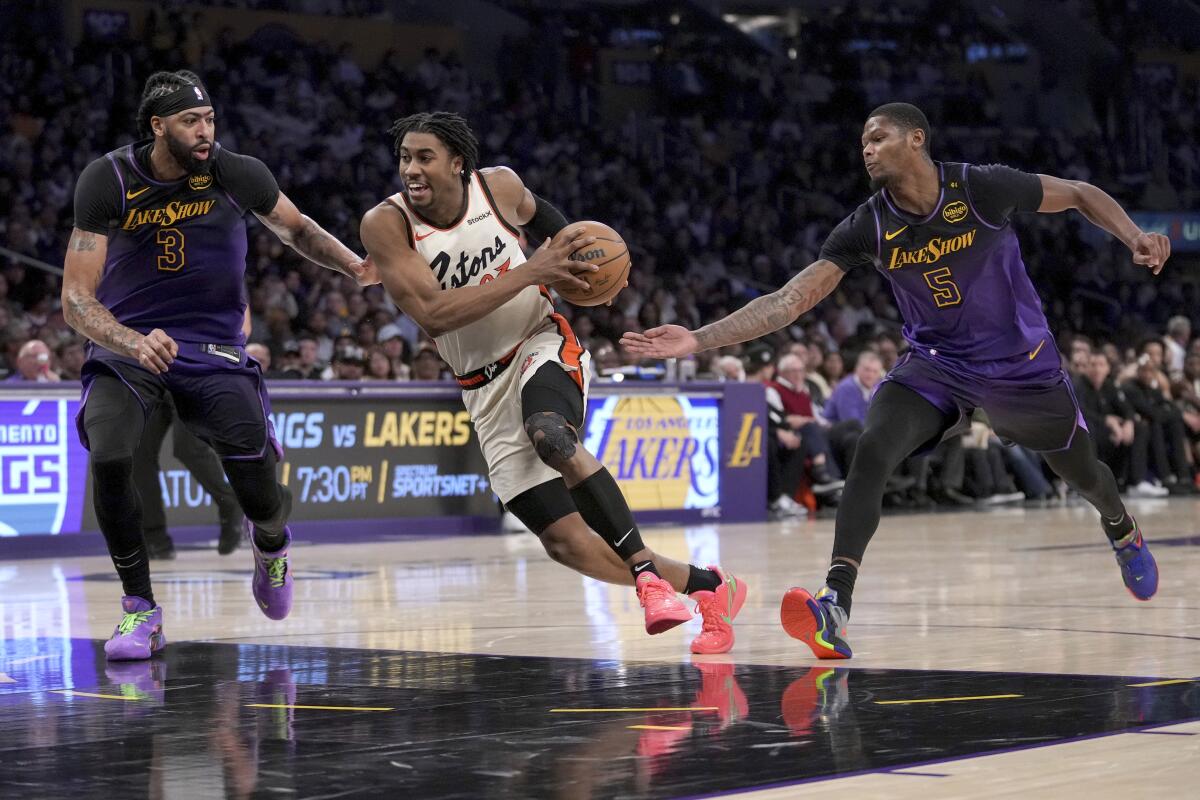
(588, 255)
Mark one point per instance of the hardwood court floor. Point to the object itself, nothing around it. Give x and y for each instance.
(1076, 690)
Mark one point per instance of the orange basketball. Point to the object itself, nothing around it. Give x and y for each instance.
(610, 253)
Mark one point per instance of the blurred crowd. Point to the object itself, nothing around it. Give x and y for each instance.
(725, 190)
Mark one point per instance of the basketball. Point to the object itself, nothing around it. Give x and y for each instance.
(610, 253)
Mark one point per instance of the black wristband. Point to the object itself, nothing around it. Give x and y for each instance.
(547, 220)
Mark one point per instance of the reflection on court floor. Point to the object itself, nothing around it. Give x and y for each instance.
(236, 720)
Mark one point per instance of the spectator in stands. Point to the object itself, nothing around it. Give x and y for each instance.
(71, 356)
(1189, 403)
(262, 354)
(398, 351)
(1148, 394)
(307, 365)
(790, 398)
(785, 462)
(1179, 333)
(428, 365)
(815, 362)
(1122, 441)
(379, 366)
(33, 364)
(852, 395)
(349, 363)
(988, 478)
(730, 368)
(833, 370)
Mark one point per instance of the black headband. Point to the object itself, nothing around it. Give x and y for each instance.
(183, 98)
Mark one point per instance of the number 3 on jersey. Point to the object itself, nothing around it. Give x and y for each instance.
(171, 259)
(945, 290)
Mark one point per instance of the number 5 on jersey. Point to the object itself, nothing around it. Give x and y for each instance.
(945, 290)
(171, 240)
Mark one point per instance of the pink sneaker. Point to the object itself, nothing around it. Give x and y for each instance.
(663, 609)
(718, 610)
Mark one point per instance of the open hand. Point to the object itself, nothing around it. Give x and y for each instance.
(665, 341)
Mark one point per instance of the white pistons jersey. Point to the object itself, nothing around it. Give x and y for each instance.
(475, 250)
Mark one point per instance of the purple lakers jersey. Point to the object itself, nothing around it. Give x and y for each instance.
(957, 274)
(177, 249)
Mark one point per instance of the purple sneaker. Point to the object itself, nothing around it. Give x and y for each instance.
(139, 680)
(272, 583)
(139, 634)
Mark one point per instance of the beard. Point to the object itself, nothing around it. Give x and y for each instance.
(879, 182)
(186, 158)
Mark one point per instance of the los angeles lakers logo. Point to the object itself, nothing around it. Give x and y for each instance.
(749, 443)
(199, 182)
(953, 212)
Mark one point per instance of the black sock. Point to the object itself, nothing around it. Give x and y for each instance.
(644, 567)
(1118, 528)
(119, 514)
(701, 580)
(841, 579)
(134, 570)
(604, 509)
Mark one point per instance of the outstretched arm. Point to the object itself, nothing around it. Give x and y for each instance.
(310, 240)
(1149, 249)
(759, 317)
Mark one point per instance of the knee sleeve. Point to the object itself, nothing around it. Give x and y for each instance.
(553, 439)
(112, 475)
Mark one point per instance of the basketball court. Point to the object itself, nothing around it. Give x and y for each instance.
(996, 655)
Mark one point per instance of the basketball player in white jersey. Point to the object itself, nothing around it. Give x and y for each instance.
(448, 252)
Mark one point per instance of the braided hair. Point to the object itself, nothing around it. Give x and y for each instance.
(450, 128)
(161, 84)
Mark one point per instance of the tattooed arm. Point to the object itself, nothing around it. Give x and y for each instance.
(316, 244)
(82, 270)
(757, 318)
(773, 311)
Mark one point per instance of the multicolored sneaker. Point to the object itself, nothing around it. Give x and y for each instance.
(272, 583)
(818, 621)
(663, 609)
(139, 634)
(1138, 568)
(718, 609)
(815, 699)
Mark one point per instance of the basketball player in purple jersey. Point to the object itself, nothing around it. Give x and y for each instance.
(941, 233)
(155, 278)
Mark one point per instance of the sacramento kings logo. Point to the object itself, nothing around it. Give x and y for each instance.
(43, 467)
